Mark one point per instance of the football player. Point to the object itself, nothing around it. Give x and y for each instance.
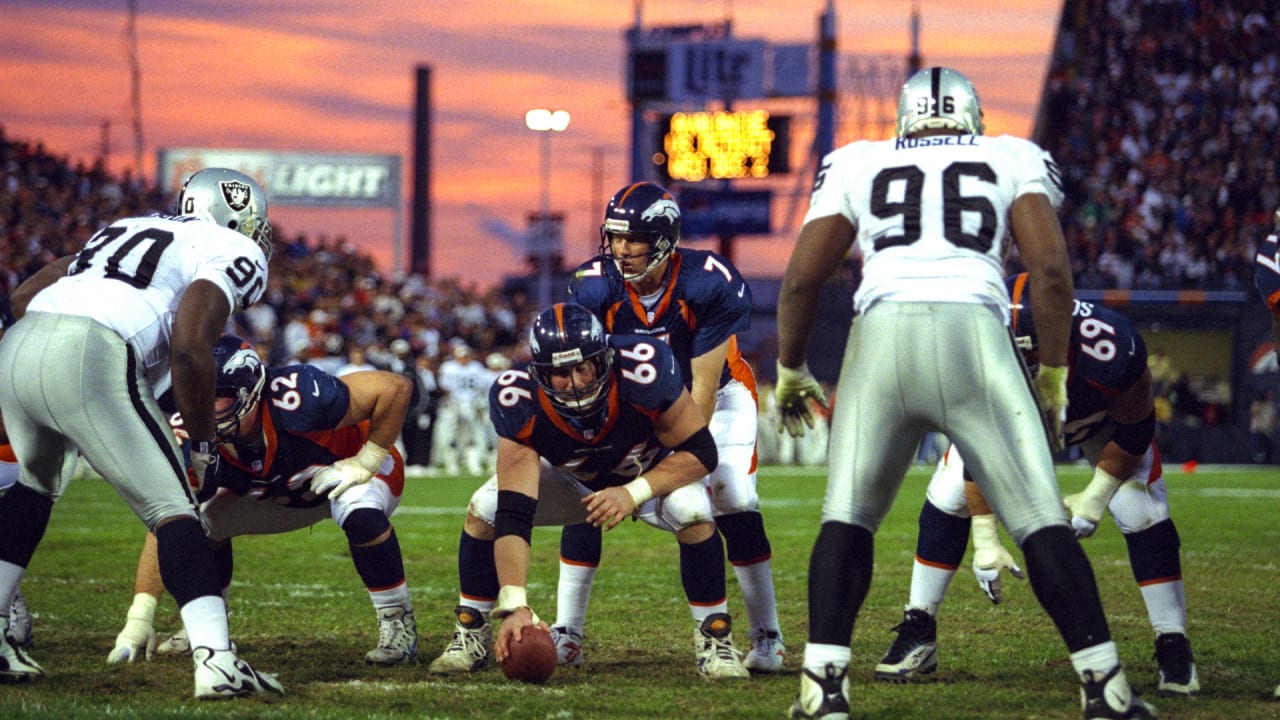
(931, 212)
(315, 446)
(101, 334)
(597, 428)
(1266, 278)
(460, 434)
(1111, 417)
(643, 283)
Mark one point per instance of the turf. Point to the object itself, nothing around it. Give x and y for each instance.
(298, 610)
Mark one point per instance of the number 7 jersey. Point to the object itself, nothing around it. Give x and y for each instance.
(932, 213)
(132, 274)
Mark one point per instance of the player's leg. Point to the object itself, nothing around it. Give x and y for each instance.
(685, 512)
(941, 542)
(20, 631)
(580, 551)
(1018, 480)
(736, 504)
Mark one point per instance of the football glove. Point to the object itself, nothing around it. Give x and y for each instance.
(205, 466)
(795, 388)
(1051, 391)
(1088, 506)
(990, 557)
(138, 638)
(346, 473)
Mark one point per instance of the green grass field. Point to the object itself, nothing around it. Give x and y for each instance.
(299, 610)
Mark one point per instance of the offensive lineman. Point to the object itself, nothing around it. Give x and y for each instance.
(100, 335)
(299, 446)
(1111, 417)
(642, 283)
(930, 351)
(598, 428)
(1266, 277)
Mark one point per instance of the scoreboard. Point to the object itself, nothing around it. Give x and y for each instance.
(723, 145)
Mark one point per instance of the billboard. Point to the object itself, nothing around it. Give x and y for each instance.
(296, 178)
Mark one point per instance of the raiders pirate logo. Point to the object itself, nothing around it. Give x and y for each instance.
(235, 194)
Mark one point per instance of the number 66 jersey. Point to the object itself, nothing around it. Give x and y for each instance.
(615, 443)
(132, 274)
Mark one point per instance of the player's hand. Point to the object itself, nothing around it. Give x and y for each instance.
(1087, 507)
(512, 629)
(608, 507)
(138, 638)
(795, 388)
(206, 464)
(1051, 392)
(990, 557)
(346, 473)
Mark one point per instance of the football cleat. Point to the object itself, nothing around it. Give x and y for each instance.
(914, 651)
(397, 638)
(825, 697)
(1108, 697)
(20, 621)
(718, 659)
(16, 666)
(175, 644)
(1178, 674)
(220, 675)
(767, 651)
(469, 649)
(568, 642)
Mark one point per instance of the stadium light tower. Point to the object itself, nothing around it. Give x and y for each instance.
(545, 122)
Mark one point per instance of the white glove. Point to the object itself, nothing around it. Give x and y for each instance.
(205, 464)
(138, 638)
(1087, 507)
(1051, 391)
(795, 388)
(349, 472)
(990, 557)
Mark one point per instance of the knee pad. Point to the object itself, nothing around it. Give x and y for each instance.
(1137, 506)
(364, 525)
(946, 487)
(685, 507)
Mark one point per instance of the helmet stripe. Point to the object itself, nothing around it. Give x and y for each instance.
(630, 189)
(935, 90)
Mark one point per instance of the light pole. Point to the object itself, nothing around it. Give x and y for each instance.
(546, 122)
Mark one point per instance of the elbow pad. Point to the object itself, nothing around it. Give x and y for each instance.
(702, 446)
(1135, 438)
(514, 515)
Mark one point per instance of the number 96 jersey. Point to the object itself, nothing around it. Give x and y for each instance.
(614, 444)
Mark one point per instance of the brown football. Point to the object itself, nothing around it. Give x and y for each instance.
(533, 659)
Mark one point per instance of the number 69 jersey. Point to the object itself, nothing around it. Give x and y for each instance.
(1267, 272)
(132, 274)
(1106, 356)
(613, 445)
(932, 213)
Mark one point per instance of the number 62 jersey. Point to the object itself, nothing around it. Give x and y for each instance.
(132, 274)
(617, 442)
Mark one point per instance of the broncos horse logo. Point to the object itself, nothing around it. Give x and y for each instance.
(664, 208)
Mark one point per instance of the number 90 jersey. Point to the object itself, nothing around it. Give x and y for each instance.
(614, 445)
(1106, 356)
(132, 274)
(932, 213)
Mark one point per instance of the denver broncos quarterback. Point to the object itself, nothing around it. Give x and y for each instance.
(100, 335)
(931, 212)
(597, 428)
(1111, 417)
(643, 283)
(313, 446)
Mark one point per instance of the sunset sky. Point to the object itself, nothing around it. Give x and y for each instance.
(336, 76)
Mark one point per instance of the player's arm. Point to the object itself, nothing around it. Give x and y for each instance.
(989, 554)
(138, 638)
(382, 398)
(706, 370)
(821, 248)
(681, 428)
(519, 470)
(44, 277)
(201, 317)
(1134, 415)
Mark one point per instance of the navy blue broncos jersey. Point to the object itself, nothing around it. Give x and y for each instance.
(1106, 356)
(613, 446)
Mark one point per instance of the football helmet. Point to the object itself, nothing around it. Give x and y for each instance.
(1024, 330)
(563, 336)
(644, 212)
(939, 97)
(230, 199)
(241, 376)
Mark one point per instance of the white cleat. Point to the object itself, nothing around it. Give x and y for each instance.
(718, 659)
(397, 638)
(220, 675)
(20, 621)
(568, 642)
(469, 649)
(767, 652)
(16, 666)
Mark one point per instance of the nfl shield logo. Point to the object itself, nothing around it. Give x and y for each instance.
(235, 194)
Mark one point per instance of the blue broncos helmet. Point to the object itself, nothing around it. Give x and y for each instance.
(562, 337)
(643, 212)
(241, 376)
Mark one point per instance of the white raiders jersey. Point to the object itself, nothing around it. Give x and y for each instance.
(132, 274)
(465, 382)
(932, 213)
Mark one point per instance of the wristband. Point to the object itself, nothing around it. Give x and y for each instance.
(371, 456)
(985, 532)
(143, 608)
(640, 490)
(1102, 486)
(510, 599)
